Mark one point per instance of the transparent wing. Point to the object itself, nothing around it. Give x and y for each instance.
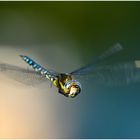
(116, 48)
(25, 76)
(116, 75)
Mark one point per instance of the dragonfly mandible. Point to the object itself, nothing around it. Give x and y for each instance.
(68, 83)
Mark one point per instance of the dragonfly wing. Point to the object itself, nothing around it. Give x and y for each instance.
(116, 75)
(114, 49)
(25, 76)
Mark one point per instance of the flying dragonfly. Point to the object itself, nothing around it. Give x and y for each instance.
(68, 83)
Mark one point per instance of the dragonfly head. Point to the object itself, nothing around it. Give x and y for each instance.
(74, 91)
(74, 88)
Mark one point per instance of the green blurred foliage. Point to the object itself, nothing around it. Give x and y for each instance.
(93, 26)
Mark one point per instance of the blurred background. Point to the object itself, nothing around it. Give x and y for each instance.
(65, 36)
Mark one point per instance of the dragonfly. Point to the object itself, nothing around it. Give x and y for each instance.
(68, 83)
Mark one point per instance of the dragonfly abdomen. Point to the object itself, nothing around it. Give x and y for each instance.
(37, 67)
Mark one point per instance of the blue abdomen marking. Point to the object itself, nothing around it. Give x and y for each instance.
(29, 61)
(37, 67)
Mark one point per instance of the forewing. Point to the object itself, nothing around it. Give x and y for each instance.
(115, 75)
(114, 49)
(25, 76)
